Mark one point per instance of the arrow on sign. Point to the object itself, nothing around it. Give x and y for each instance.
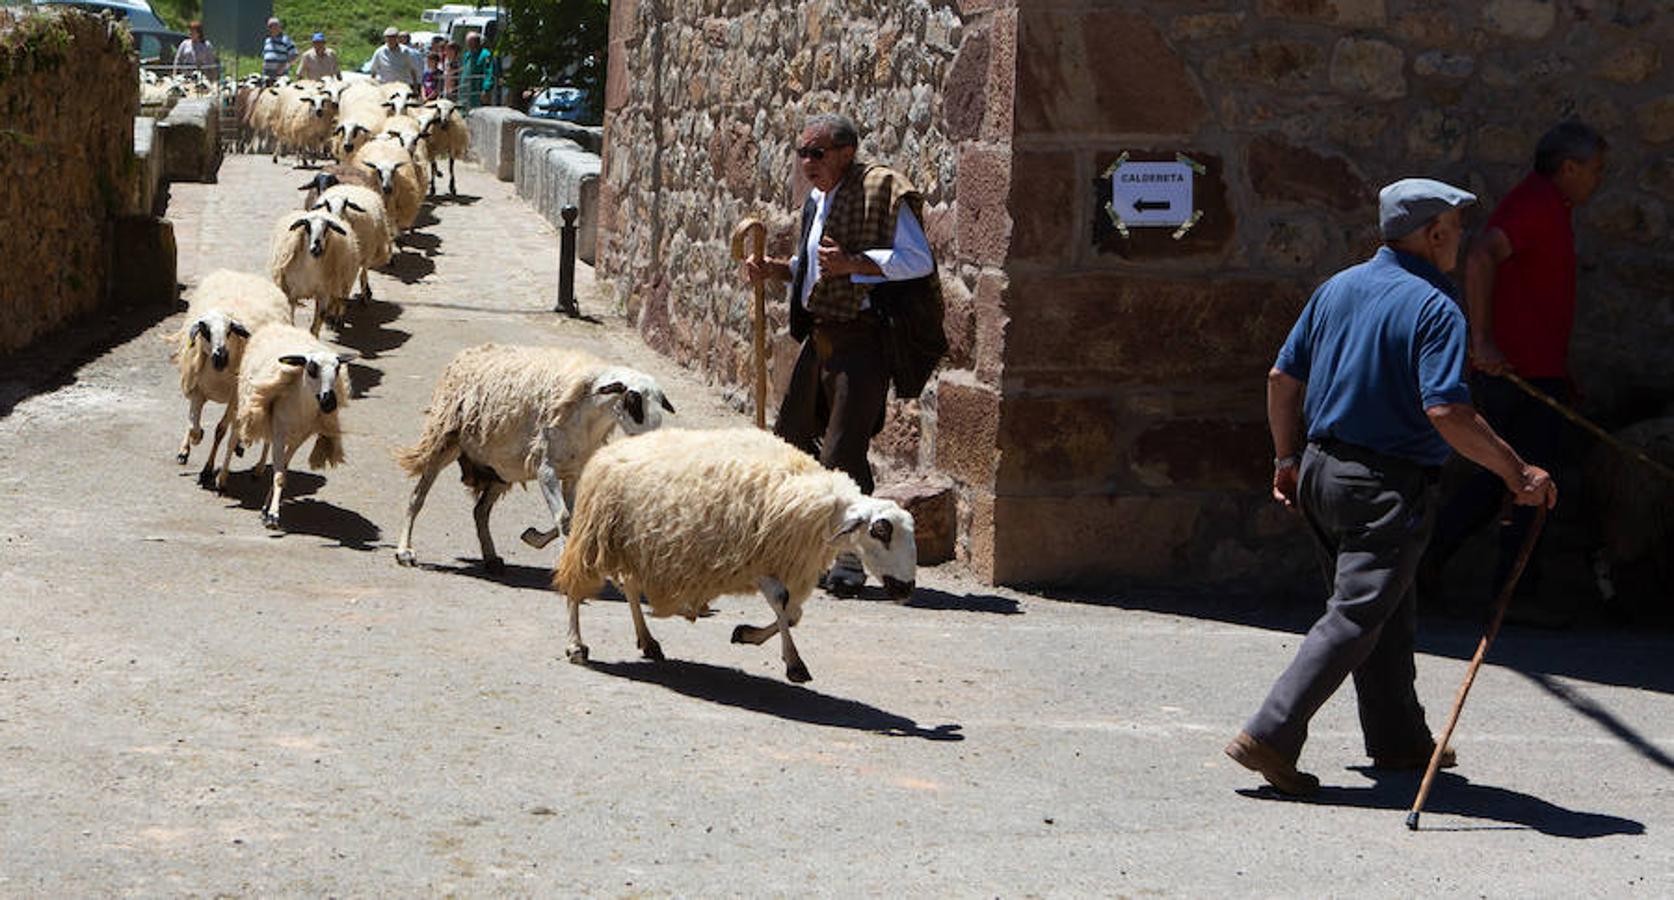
(1149, 205)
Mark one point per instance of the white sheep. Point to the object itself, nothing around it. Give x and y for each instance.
(314, 254)
(400, 180)
(305, 118)
(682, 517)
(363, 209)
(351, 132)
(445, 132)
(510, 414)
(225, 309)
(291, 387)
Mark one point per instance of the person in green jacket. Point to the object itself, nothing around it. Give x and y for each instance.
(476, 77)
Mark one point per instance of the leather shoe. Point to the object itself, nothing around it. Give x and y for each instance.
(1406, 763)
(1278, 771)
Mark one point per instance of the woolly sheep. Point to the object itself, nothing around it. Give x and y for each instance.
(335, 174)
(682, 517)
(509, 414)
(400, 180)
(445, 132)
(351, 132)
(305, 118)
(314, 254)
(291, 387)
(406, 131)
(225, 310)
(363, 209)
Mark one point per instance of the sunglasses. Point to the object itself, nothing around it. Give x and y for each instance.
(813, 152)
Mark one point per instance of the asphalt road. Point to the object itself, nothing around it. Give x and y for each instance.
(190, 704)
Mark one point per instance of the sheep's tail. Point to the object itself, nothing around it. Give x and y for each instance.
(437, 445)
(328, 451)
(577, 572)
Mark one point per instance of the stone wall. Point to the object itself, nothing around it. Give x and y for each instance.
(1102, 413)
(68, 95)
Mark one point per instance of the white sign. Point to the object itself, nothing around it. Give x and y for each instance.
(1151, 194)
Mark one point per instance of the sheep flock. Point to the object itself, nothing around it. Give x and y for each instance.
(673, 517)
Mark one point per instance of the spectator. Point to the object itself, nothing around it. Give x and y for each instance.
(391, 63)
(277, 51)
(318, 61)
(408, 48)
(196, 54)
(450, 70)
(433, 77)
(476, 78)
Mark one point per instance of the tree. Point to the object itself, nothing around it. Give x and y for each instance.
(556, 42)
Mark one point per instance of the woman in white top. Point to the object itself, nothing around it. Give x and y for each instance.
(195, 53)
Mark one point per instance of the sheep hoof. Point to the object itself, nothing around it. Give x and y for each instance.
(206, 477)
(652, 651)
(494, 565)
(577, 654)
(406, 558)
(270, 520)
(798, 673)
(738, 632)
(180, 457)
(238, 450)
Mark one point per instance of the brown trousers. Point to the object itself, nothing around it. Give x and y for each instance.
(834, 403)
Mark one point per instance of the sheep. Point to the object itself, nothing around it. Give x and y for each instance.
(225, 309)
(509, 414)
(291, 386)
(400, 180)
(406, 131)
(444, 132)
(363, 209)
(682, 517)
(304, 120)
(264, 115)
(314, 254)
(351, 132)
(332, 175)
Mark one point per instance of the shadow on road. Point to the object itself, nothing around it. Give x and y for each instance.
(363, 379)
(732, 687)
(1606, 719)
(410, 267)
(1454, 795)
(247, 485)
(443, 197)
(426, 218)
(428, 244)
(52, 360)
(321, 519)
(930, 598)
(534, 578)
(364, 331)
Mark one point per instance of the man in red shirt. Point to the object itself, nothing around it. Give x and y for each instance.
(1520, 296)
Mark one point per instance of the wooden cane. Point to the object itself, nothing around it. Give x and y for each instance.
(758, 313)
(1500, 607)
(1573, 416)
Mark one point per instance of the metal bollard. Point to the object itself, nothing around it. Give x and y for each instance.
(566, 264)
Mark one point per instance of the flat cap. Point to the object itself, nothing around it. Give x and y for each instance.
(1406, 205)
(392, 31)
(273, 21)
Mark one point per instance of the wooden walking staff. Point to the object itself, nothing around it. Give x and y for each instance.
(1476, 663)
(758, 313)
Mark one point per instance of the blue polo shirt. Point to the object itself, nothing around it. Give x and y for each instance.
(1378, 344)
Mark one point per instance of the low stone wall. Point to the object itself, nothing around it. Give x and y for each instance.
(191, 138)
(69, 91)
(494, 131)
(148, 167)
(552, 173)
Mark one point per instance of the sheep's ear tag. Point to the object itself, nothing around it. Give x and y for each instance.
(293, 359)
(883, 530)
(850, 526)
(615, 387)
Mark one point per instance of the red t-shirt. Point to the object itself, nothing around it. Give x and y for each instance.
(1534, 288)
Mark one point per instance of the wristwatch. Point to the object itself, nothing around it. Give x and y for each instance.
(1287, 462)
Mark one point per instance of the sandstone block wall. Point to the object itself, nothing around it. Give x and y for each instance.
(1102, 414)
(68, 95)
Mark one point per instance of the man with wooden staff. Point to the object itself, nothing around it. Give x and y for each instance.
(1375, 370)
(861, 226)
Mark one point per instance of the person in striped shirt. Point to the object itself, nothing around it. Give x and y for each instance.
(277, 51)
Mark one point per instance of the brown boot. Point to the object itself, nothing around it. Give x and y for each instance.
(1279, 772)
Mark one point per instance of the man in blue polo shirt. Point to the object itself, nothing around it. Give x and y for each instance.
(277, 50)
(1375, 367)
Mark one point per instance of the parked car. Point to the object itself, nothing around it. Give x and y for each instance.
(567, 103)
(154, 41)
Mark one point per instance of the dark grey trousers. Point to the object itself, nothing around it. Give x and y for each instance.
(1371, 516)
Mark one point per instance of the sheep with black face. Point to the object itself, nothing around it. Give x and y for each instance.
(314, 254)
(224, 310)
(511, 414)
(291, 387)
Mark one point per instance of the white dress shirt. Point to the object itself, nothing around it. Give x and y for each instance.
(907, 257)
(390, 66)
